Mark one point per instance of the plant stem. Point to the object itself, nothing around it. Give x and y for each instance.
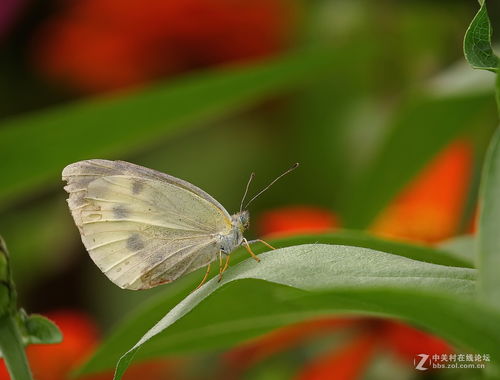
(497, 92)
(13, 349)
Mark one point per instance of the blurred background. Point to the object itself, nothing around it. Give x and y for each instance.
(374, 99)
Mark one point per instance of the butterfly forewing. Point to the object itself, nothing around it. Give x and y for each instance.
(142, 227)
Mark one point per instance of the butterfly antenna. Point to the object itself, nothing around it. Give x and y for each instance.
(252, 176)
(295, 166)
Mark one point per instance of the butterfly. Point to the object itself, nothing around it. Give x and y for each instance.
(143, 228)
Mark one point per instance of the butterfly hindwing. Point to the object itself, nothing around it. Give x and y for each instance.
(142, 227)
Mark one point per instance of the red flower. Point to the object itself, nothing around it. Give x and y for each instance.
(295, 220)
(98, 45)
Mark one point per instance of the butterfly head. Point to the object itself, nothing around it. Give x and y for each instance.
(242, 220)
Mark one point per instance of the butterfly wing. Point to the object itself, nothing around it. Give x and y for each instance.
(142, 227)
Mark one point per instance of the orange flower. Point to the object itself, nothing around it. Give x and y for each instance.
(99, 45)
(295, 220)
(429, 209)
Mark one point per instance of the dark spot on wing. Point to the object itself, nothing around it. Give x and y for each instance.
(121, 212)
(137, 187)
(135, 243)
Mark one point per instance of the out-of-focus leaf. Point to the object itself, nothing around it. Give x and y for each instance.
(409, 146)
(36, 147)
(477, 42)
(462, 247)
(142, 318)
(42, 235)
(459, 79)
(40, 330)
(313, 273)
(488, 241)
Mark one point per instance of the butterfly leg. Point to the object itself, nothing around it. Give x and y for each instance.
(220, 266)
(261, 241)
(247, 246)
(204, 278)
(224, 269)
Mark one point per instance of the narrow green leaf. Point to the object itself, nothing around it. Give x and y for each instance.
(488, 241)
(8, 296)
(313, 268)
(4, 281)
(12, 348)
(108, 127)
(132, 327)
(477, 42)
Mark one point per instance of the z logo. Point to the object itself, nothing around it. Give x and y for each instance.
(420, 364)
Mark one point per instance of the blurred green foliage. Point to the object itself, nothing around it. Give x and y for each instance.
(363, 102)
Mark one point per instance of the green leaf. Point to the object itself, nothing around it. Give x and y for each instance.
(313, 268)
(52, 236)
(40, 330)
(488, 240)
(408, 146)
(109, 126)
(477, 42)
(363, 239)
(142, 318)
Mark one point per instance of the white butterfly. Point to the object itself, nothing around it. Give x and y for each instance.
(144, 228)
